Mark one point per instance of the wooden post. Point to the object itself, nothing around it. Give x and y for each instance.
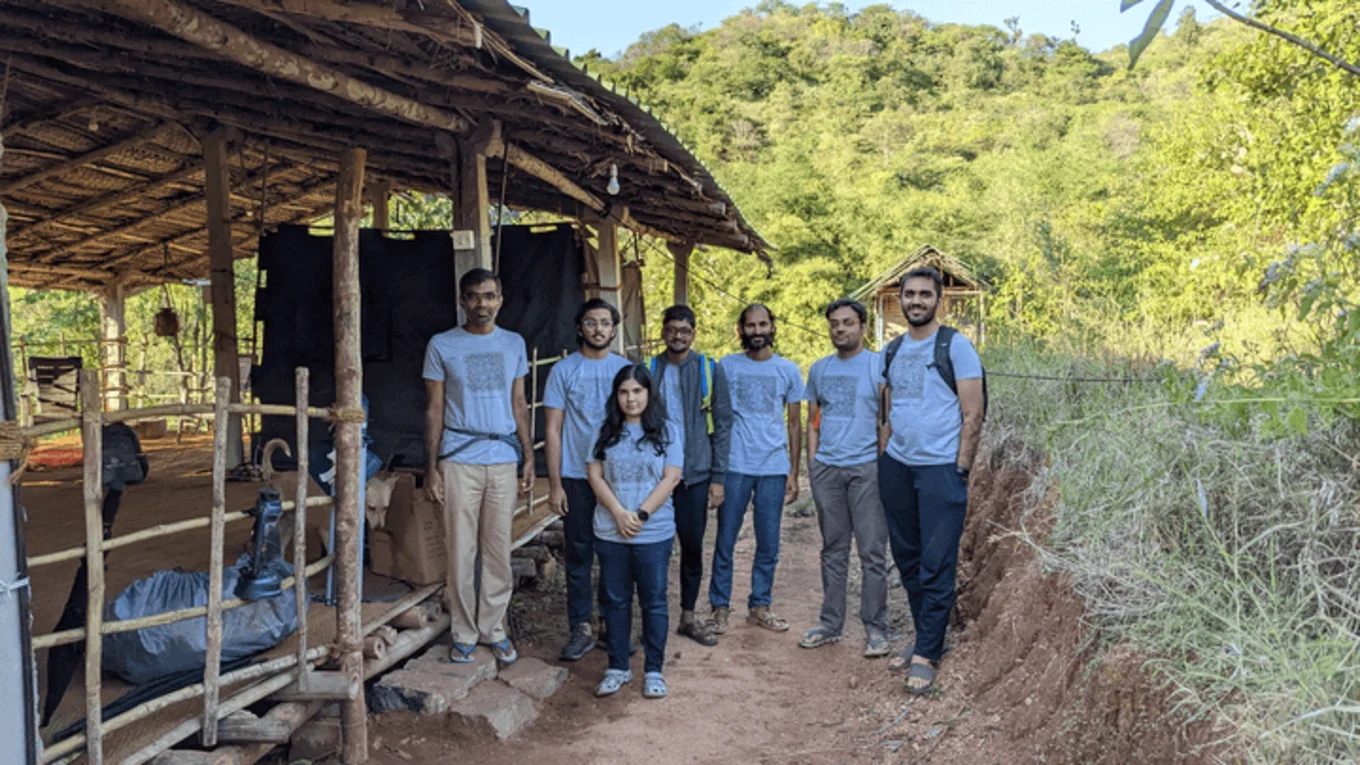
(381, 191)
(93, 491)
(223, 276)
(681, 253)
(302, 382)
(112, 332)
(471, 203)
(348, 449)
(213, 657)
(607, 266)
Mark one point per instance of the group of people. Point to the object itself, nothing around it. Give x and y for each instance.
(637, 455)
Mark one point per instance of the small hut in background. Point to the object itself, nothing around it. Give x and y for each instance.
(962, 304)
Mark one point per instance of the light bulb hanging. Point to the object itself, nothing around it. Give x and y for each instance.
(613, 187)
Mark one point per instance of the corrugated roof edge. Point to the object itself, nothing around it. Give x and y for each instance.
(512, 23)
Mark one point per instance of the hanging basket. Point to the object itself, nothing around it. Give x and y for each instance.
(167, 321)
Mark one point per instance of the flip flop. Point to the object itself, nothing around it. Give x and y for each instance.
(461, 653)
(818, 637)
(504, 651)
(920, 672)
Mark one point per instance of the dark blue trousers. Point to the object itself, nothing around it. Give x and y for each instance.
(925, 507)
(578, 530)
(623, 569)
(691, 521)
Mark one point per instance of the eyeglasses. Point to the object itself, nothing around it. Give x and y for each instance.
(597, 324)
(677, 331)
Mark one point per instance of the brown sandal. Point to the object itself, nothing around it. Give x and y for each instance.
(699, 632)
(764, 617)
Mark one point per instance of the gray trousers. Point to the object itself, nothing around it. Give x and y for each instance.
(848, 507)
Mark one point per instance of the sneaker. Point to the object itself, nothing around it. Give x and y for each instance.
(719, 619)
(579, 644)
(614, 680)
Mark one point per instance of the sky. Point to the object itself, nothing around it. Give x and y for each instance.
(610, 26)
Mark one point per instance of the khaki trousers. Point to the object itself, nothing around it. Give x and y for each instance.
(479, 505)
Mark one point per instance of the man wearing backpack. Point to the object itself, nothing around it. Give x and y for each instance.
(698, 409)
(933, 410)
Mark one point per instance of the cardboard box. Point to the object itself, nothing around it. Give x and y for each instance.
(414, 529)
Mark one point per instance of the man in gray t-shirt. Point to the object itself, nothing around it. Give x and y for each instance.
(843, 392)
(766, 391)
(575, 397)
(476, 438)
(934, 432)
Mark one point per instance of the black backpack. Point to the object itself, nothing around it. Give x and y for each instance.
(124, 462)
(942, 364)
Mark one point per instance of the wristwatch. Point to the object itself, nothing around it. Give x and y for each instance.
(962, 471)
(643, 515)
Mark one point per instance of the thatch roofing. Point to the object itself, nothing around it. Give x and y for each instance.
(955, 272)
(107, 102)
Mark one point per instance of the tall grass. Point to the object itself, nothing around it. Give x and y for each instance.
(1197, 533)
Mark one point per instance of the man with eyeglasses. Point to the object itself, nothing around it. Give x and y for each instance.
(577, 392)
(699, 412)
(476, 437)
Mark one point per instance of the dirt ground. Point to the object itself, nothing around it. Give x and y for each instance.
(1019, 685)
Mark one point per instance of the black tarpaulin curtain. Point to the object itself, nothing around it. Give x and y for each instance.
(408, 295)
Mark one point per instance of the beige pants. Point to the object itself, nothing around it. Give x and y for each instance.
(479, 505)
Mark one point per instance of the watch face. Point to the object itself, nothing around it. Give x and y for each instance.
(644, 515)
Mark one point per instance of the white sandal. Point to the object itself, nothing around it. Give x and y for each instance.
(614, 680)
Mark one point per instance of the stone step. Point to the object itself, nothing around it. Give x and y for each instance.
(430, 682)
(493, 709)
(534, 677)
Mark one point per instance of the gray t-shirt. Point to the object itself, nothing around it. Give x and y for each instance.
(580, 387)
(846, 390)
(675, 405)
(478, 372)
(632, 468)
(926, 418)
(760, 391)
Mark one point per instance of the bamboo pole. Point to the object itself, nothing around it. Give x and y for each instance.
(302, 382)
(348, 447)
(167, 617)
(213, 657)
(92, 437)
(164, 529)
(142, 711)
(178, 410)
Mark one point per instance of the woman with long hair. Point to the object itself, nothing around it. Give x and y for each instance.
(633, 469)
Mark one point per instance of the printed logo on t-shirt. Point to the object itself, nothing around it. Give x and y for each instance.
(908, 377)
(628, 465)
(838, 395)
(757, 395)
(486, 372)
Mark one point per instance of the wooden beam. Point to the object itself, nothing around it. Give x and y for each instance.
(472, 204)
(81, 160)
(93, 491)
(379, 16)
(223, 277)
(608, 268)
(201, 29)
(54, 113)
(681, 253)
(381, 193)
(349, 378)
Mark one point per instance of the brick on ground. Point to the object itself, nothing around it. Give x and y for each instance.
(430, 683)
(534, 677)
(495, 709)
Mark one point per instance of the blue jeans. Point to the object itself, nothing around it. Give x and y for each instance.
(768, 493)
(623, 568)
(578, 531)
(925, 507)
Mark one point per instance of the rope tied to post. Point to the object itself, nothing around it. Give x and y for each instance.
(348, 414)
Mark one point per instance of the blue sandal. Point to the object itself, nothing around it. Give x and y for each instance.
(504, 651)
(614, 680)
(462, 653)
(654, 686)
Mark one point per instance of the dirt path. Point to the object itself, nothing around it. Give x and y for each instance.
(1019, 685)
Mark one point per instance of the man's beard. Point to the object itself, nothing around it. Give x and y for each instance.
(594, 346)
(921, 322)
(748, 342)
(848, 345)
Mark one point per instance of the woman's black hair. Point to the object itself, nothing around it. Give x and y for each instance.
(653, 417)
